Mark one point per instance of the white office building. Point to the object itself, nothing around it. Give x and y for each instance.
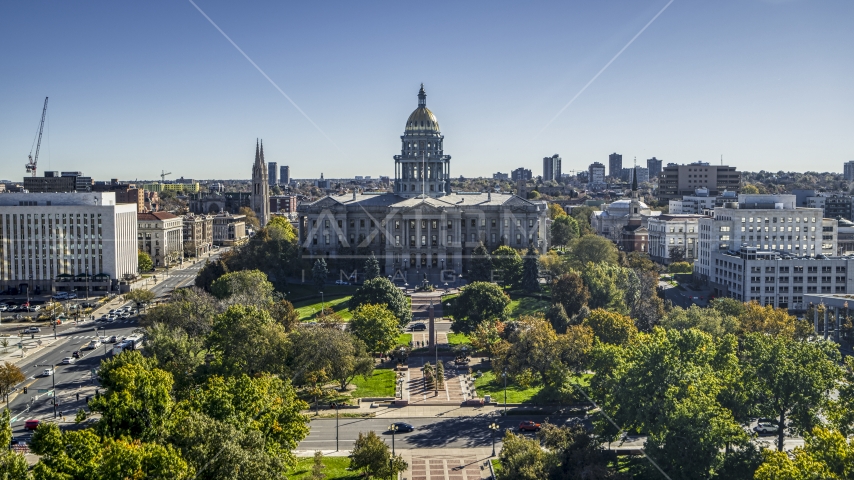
(66, 241)
(778, 278)
(668, 232)
(765, 222)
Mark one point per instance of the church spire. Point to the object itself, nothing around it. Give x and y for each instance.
(257, 158)
(634, 179)
(262, 152)
(422, 97)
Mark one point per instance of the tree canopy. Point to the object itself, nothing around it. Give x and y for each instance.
(479, 301)
(380, 291)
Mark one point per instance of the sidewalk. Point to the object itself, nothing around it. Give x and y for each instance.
(434, 463)
(414, 411)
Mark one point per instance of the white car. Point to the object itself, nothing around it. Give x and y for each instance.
(341, 282)
(765, 428)
(113, 312)
(47, 372)
(68, 360)
(32, 330)
(125, 314)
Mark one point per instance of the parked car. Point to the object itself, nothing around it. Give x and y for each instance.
(32, 424)
(529, 426)
(113, 312)
(33, 330)
(401, 427)
(416, 327)
(72, 295)
(765, 428)
(68, 360)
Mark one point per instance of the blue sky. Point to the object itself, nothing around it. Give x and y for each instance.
(136, 87)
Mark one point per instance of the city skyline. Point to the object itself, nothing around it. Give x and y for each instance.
(760, 83)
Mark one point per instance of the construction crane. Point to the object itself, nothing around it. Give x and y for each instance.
(33, 162)
(163, 174)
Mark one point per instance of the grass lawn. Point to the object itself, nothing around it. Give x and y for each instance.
(307, 309)
(302, 290)
(404, 338)
(496, 465)
(527, 306)
(380, 384)
(336, 469)
(458, 339)
(488, 384)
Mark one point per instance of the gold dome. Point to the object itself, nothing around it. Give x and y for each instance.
(422, 119)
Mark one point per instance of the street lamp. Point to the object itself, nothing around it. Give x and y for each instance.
(392, 428)
(322, 303)
(494, 427)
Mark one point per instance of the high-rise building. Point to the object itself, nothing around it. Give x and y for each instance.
(615, 165)
(551, 168)
(849, 170)
(521, 173)
(74, 261)
(272, 173)
(654, 166)
(596, 175)
(260, 187)
(676, 181)
(284, 175)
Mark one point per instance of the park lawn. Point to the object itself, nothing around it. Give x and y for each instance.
(336, 468)
(527, 306)
(404, 339)
(458, 339)
(309, 308)
(496, 465)
(488, 384)
(380, 384)
(300, 291)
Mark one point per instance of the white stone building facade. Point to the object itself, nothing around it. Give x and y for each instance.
(668, 232)
(161, 236)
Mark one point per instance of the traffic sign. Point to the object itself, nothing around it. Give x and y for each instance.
(43, 390)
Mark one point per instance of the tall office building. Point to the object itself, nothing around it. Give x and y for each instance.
(66, 241)
(654, 166)
(284, 175)
(521, 173)
(596, 175)
(676, 181)
(551, 168)
(272, 173)
(615, 165)
(849, 170)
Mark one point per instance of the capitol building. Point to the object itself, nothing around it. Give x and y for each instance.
(421, 229)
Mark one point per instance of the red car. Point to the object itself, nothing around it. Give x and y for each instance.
(529, 426)
(31, 424)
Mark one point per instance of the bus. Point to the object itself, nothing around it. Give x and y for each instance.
(129, 343)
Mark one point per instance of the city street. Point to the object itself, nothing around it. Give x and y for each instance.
(79, 377)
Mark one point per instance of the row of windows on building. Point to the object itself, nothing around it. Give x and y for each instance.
(434, 224)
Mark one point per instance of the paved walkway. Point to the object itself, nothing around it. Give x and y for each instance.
(469, 464)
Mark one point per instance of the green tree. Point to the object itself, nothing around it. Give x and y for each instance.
(841, 412)
(13, 465)
(247, 339)
(139, 296)
(137, 401)
(217, 450)
(284, 313)
(680, 267)
(10, 375)
(480, 265)
(530, 271)
(251, 219)
(749, 189)
(319, 272)
(767, 320)
(375, 325)
(264, 404)
(611, 327)
(555, 211)
(728, 306)
(564, 229)
(522, 459)
(317, 466)
(247, 287)
(592, 249)
(508, 265)
(569, 291)
(338, 353)
(557, 317)
(144, 262)
(479, 301)
(792, 378)
(209, 273)
(640, 261)
(176, 352)
(191, 309)
(372, 267)
(826, 454)
(603, 281)
(380, 291)
(707, 320)
(373, 457)
(133, 459)
(575, 454)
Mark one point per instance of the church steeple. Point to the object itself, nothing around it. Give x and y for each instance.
(260, 200)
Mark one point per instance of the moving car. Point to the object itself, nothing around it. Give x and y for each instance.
(32, 330)
(91, 345)
(75, 354)
(401, 427)
(113, 339)
(419, 327)
(529, 426)
(32, 424)
(47, 372)
(765, 428)
(68, 360)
